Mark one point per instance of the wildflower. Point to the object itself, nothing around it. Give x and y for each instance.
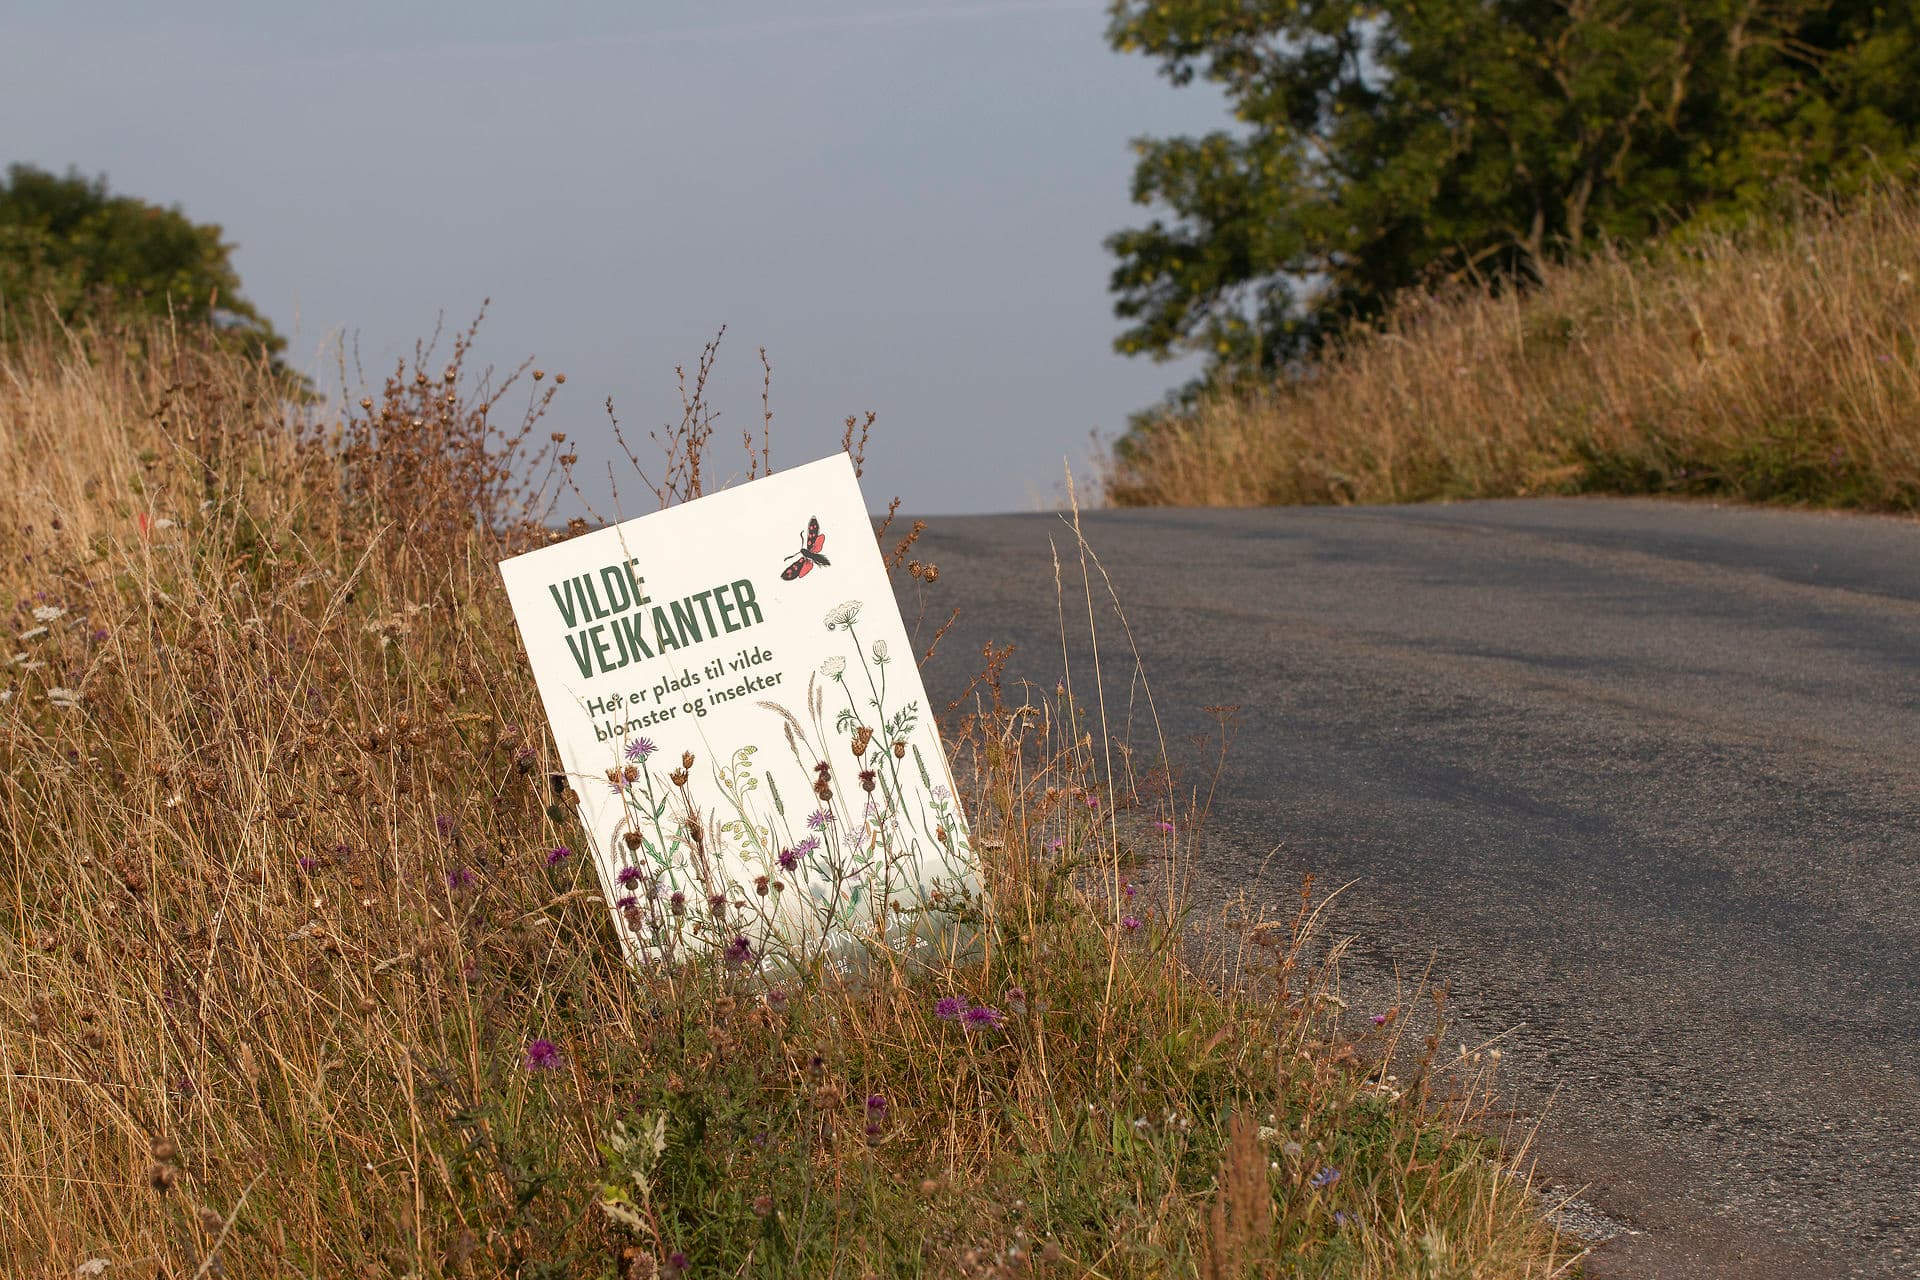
(834, 668)
(862, 736)
(542, 1055)
(639, 749)
(53, 612)
(1291, 1150)
(1127, 890)
(1129, 923)
(459, 878)
(739, 951)
(788, 859)
(677, 1264)
(983, 1017)
(626, 900)
(445, 825)
(760, 885)
(1054, 845)
(819, 820)
(309, 865)
(677, 903)
(1164, 828)
(678, 777)
(1016, 998)
(900, 753)
(1325, 1178)
(686, 759)
(1093, 801)
(880, 651)
(950, 1009)
(558, 854)
(629, 877)
(843, 615)
(867, 779)
(876, 1103)
(806, 846)
(1379, 1019)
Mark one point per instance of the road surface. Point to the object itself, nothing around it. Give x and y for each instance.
(1643, 779)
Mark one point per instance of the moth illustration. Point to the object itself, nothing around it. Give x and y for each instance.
(809, 553)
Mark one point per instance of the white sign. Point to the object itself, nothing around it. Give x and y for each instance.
(737, 704)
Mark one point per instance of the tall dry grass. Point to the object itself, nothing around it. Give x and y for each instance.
(1777, 364)
(296, 982)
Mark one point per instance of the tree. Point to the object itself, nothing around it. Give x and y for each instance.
(65, 242)
(1381, 146)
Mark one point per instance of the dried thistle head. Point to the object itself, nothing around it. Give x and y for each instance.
(861, 737)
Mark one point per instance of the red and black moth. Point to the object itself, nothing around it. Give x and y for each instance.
(809, 553)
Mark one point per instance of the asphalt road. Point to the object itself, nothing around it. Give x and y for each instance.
(1642, 779)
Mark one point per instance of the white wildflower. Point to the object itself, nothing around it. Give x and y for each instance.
(844, 614)
(834, 668)
(48, 613)
(879, 650)
(27, 637)
(61, 697)
(92, 1267)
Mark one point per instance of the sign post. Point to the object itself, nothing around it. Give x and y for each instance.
(736, 703)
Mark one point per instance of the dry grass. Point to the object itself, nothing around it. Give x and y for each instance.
(1775, 365)
(281, 937)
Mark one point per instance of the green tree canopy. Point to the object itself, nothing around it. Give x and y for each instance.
(1385, 145)
(67, 243)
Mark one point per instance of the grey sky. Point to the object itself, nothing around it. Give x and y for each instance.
(903, 202)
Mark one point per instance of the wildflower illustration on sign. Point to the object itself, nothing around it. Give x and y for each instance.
(745, 726)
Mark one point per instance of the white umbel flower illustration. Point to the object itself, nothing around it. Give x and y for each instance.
(843, 615)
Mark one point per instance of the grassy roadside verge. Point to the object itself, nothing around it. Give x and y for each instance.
(1778, 364)
(303, 978)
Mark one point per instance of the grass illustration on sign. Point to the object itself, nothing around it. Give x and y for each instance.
(780, 798)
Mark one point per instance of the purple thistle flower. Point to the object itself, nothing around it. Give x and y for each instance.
(1126, 887)
(1129, 923)
(542, 1055)
(1379, 1019)
(788, 859)
(459, 878)
(445, 824)
(1325, 1178)
(806, 846)
(739, 951)
(309, 865)
(639, 749)
(950, 1008)
(1164, 828)
(629, 877)
(677, 1263)
(876, 1103)
(624, 901)
(819, 820)
(558, 854)
(984, 1017)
